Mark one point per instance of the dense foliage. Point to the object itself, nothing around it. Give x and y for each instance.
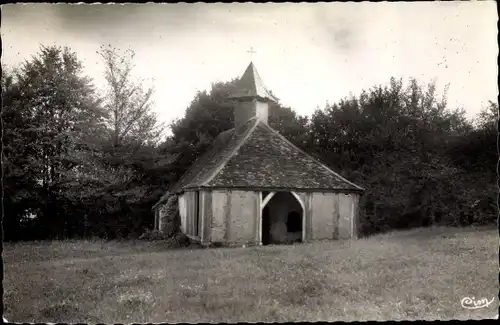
(79, 163)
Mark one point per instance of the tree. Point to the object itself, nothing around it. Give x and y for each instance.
(392, 141)
(17, 200)
(475, 152)
(123, 179)
(52, 111)
(130, 119)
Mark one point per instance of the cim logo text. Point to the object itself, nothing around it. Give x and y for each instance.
(472, 303)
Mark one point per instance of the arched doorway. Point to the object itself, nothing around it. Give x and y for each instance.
(282, 218)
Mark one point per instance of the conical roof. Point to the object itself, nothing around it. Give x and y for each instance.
(251, 85)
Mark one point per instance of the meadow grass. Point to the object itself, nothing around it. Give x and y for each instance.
(416, 274)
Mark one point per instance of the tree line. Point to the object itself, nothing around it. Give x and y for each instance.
(82, 162)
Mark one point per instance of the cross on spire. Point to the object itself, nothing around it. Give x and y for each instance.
(252, 52)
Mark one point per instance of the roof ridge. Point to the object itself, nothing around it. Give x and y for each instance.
(233, 152)
(308, 155)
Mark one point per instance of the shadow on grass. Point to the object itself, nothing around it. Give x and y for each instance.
(220, 307)
(65, 313)
(124, 283)
(302, 294)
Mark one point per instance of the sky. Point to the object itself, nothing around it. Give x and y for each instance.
(307, 53)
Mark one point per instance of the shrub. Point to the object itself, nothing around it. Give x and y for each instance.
(178, 240)
(152, 235)
(175, 240)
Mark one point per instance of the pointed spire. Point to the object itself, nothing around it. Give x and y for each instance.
(251, 86)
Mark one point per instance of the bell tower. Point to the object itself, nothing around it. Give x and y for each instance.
(251, 97)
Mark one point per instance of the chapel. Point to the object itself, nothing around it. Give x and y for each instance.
(254, 187)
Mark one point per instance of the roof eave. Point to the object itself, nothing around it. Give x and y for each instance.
(269, 98)
(261, 188)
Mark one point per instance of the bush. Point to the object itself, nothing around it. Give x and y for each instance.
(178, 240)
(172, 222)
(175, 240)
(152, 235)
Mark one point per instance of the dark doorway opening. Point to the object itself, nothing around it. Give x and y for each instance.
(282, 219)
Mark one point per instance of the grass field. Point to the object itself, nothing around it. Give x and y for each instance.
(417, 274)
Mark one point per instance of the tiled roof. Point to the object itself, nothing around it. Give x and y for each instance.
(251, 85)
(256, 156)
(216, 156)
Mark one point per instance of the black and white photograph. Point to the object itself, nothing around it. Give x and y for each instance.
(249, 162)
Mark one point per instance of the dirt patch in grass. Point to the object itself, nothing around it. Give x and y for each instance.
(420, 274)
